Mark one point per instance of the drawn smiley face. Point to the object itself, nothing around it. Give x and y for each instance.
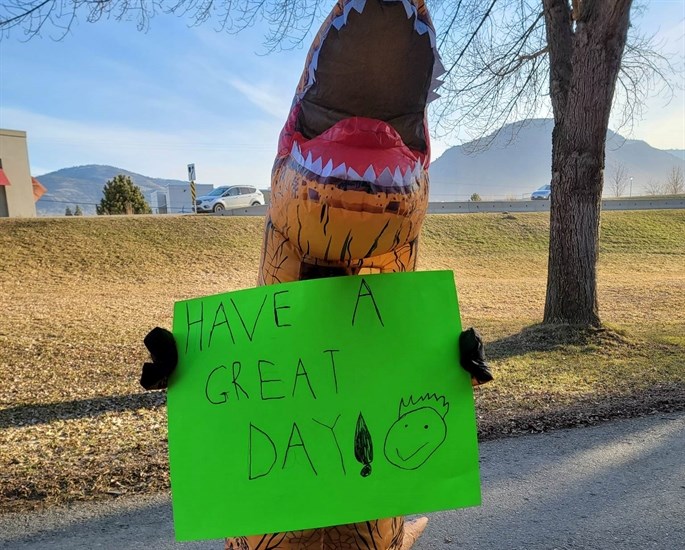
(414, 437)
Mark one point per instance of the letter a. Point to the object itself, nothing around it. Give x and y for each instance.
(300, 443)
(365, 292)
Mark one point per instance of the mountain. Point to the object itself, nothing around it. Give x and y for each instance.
(518, 160)
(515, 162)
(83, 185)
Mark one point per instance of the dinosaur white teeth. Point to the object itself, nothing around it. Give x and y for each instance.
(339, 171)
(308, 161)
(353, 175)
(408, 8)
(358, 5)
(397, 176)
(432, 96)
(317, 166)
(385, 178)
(370, 174)
(438, 68)
(296, 154)
(436, 83)
(408, 176)
(328, 169)
(422, 28)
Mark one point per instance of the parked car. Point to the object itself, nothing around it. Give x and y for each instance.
(228, 197)
(541, 194)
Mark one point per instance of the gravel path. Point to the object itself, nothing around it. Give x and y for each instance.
(616, 486)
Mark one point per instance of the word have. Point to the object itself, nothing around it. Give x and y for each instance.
(267, 376)
(241, 321)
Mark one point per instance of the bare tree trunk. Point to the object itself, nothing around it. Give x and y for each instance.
(574, 231)
(581, 120)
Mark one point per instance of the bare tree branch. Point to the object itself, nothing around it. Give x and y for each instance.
(618, 180)
(674, 183)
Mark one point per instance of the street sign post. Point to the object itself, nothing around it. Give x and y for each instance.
(191, 179)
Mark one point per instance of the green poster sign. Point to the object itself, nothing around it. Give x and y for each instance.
(320, 403)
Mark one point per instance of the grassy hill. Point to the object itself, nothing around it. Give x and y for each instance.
(79, 294)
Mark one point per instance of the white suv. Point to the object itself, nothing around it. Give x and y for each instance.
(225, 198)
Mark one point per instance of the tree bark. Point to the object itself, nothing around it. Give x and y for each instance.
(582, 92)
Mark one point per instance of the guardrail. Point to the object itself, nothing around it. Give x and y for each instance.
(249, 211)
(543, 206)
(503, 206)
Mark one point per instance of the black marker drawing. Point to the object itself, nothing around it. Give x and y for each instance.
(335, 440)
(363, 446)
(418, 432)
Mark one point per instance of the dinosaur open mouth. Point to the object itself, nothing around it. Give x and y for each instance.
(361, 117)
(360, 149)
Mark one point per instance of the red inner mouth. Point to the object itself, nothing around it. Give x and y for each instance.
(359, 143)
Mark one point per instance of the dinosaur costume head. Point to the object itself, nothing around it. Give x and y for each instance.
(350, 181)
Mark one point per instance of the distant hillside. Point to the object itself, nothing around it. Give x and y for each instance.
(83, 185)
(519, 160)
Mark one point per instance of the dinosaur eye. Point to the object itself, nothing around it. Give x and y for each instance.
(425, 427)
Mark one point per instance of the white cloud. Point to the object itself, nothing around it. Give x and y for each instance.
(268, 100)
(221, 152)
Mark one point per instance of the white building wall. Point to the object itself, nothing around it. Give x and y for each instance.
(158, 202)
(18, 197)
(179, 200)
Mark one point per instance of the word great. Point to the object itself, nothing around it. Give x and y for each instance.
(270, 381)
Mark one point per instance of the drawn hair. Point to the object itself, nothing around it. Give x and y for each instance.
(432, 400)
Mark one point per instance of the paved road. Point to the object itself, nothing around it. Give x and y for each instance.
(617, 486)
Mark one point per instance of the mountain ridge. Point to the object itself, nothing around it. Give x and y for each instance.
(519, 159)
(82, 185)
(516, 162)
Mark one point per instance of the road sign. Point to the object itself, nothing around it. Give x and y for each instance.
(191, 172)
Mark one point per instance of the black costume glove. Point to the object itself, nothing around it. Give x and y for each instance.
(472, 356)
(162, 347)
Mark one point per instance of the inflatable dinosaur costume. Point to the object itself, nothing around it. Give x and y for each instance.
(349, 192)
(349, 186)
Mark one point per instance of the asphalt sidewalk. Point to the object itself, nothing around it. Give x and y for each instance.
(616, 486)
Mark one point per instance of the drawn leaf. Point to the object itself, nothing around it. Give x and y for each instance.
(363, 446)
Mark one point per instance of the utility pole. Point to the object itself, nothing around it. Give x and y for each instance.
(631, 186)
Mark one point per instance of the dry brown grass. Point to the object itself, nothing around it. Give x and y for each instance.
(77, 296)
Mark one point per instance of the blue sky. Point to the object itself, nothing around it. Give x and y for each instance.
(153, 102)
